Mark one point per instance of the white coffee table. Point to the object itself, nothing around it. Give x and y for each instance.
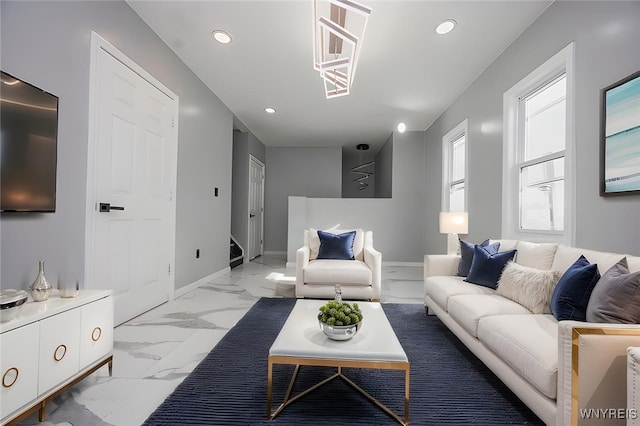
(301, 342)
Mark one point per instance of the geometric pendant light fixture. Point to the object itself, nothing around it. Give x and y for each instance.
(363, 170)
(338, 29)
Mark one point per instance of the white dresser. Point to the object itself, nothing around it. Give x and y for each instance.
(50, 346)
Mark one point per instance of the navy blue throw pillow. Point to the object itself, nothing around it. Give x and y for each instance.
(466, 255)
(334, 246)
(486, 267)
(571, 296)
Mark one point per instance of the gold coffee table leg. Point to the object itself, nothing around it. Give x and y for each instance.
(269, 383)
(288, 400)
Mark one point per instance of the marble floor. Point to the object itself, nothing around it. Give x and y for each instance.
(154, 352)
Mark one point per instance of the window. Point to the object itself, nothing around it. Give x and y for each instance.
(538, 166)
(541, 157)
(454, 169)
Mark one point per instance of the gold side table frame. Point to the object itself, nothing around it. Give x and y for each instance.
(576, 333)
(339, 364)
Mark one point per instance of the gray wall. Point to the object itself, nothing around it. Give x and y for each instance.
(310, 172)
(408, 195)
(606, 38)
(384, 170)
(257, 149)
(48, 44)
(240, 188)
(244, 144)
(397, 223)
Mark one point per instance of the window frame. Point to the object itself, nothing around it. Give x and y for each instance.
(560, 63)
(448, 140)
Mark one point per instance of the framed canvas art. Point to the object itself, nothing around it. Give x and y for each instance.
(620, 137)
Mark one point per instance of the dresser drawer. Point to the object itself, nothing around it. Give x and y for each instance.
(59, 349)
(18, 368)
(42, 347)
(96, 331)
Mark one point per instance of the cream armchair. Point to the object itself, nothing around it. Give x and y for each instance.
(359, 279)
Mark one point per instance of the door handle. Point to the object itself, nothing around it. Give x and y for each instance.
(252, 215)
(106, 208)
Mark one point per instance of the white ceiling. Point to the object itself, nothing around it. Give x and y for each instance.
(406, 71)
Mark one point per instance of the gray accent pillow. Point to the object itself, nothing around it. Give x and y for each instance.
(616, 297)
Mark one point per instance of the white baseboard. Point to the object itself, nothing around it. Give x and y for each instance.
(412, 264)
(189, 287)
(394, 263)
(276, 254)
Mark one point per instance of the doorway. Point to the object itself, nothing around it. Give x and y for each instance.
(256, 207)
(131, 173)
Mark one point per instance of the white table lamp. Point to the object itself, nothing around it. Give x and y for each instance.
(454, 223)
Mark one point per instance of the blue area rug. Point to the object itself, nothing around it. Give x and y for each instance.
(449, 385)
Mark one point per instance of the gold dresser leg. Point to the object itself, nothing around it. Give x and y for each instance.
(42, 413)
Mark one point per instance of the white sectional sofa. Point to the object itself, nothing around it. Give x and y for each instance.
(560, 370)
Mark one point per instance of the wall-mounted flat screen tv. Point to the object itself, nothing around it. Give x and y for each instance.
(28, 146)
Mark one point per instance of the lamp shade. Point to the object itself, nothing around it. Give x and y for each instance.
(454, 223)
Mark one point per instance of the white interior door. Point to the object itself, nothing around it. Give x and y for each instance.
(133, 216)
(256, 207)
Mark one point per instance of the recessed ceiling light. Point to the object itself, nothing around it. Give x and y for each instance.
(221, 36)
(446, 26)
(270, 110)
(402, 127)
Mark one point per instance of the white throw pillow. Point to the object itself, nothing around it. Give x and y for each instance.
(536, 255)
(529, 287)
